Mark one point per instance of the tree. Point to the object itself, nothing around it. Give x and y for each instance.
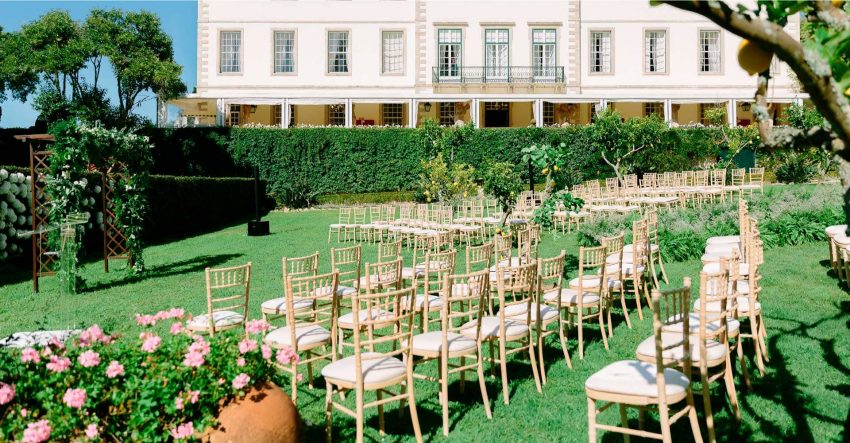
(15, 79)
(141, 55)
(618, 140)
(820, 63)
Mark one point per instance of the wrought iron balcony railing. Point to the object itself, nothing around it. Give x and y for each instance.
(498, 74)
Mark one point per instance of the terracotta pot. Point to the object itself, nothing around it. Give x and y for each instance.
(264, 415)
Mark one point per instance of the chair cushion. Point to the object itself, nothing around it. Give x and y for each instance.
(376, 368)
(490, 328)
(629, 249)
(743, 305)
(278, 305)
(434, 302)
(723, 240)
(646, 348)
(714, 269)
(517, 312)
(341, 291)
(410, 273)
(732, 325)
(726, 248)
(433, 342)
(632, 377)
(306, 336)
(570, 297)
(590, 282)
(221, 318)
(832, 231)
(347, 321)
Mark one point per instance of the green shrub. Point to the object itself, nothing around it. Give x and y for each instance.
(787, 215)
(366, 198)
(795, 167)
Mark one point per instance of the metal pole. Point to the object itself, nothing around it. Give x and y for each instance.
(257, 193)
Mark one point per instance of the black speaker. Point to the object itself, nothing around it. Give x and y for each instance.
(258, 228)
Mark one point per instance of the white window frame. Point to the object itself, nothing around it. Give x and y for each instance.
(391, 107)
(661, 58)
(441, 113)
(277, 115)
(458, 54)
(498, 40)
(234, 110)
(702, 55)
(548, 114)
(334, 112)
(653, 108)
(239, 52)
(610, 56)
(275, 52)
(402, 56)
(347, 52)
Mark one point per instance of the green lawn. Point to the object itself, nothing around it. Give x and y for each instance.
(805, 395)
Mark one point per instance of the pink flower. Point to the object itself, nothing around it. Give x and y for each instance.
(7, 393)
(178, 403)
(257, 326)
(221, 381)
(286, 356)
(37, 432)
(30, 355)
(93, 335)
(59, 364)
(193, 359)
(200, 346)
(240, 361)
(299, 377)
(185, 430)
(56, 343)
(176, 328)
(241, 381)
(267, 352)
(46, 352)
(88, 359)
(193, 396)
(75, 398)
(24, 412)
(145, 320)
(150, 341)
(247, 345)
(115, 369)
(91, 431)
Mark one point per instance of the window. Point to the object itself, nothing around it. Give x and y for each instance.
(600, 52)
(544, 53)
(496, 53)
(291, 116)
(278, 115)
(338, 51)
(655, 52)
(336, 115)
(284, 51)
(447, 114)
(235, 115)
(449, 46)
(548, 113)
(653, 108)
(709, 51)
(594, 108)
(392, 60)
(392, 114)
(230, 57)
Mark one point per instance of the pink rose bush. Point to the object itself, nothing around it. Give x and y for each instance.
(182, 376)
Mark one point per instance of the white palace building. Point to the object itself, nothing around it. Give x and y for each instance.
(496, 63)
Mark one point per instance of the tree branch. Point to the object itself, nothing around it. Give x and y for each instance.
(811, 69)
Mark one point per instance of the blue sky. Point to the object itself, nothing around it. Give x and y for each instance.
(179, 19)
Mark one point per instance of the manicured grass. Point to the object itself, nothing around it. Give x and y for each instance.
(805, 395)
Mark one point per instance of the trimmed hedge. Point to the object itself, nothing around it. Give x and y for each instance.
(359, 160)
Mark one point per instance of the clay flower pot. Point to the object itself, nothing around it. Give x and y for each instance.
(264, 415)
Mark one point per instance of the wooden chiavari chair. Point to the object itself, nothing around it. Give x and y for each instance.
(436, 266)
(389, 250)
(291, 267)
(308, 332)
(343, 223)
(614, 272)
(346, 263)
(654, 250)
(227, 300)
(368, 370)
(583, 298)
(550, 279)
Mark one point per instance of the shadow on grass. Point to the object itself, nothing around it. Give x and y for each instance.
(189, 266)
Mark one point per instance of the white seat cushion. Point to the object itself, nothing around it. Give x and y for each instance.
(714, 349)
(726, 249)
(732, 325)
(590, 282)
(376, 368)
(431, 342)
(410, 273)
(490, 328)
(743, 305)
(434, 302)
(570, 297)
(714, 268)
(629, 249)
(278, 305)
(632, 377)
(341, 291)
(347, 321)
(832, 231)
(723, 240)
(221, 318)
(517, 312)
(306, 337)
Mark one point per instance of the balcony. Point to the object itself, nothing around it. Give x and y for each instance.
(499, 75)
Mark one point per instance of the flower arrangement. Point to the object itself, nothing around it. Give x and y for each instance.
(167, 384)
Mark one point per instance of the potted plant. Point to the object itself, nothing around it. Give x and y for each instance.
(167, 384)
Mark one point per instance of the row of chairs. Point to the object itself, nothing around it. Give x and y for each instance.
(726, 313)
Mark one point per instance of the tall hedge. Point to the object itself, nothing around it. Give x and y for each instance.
(352, 160)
